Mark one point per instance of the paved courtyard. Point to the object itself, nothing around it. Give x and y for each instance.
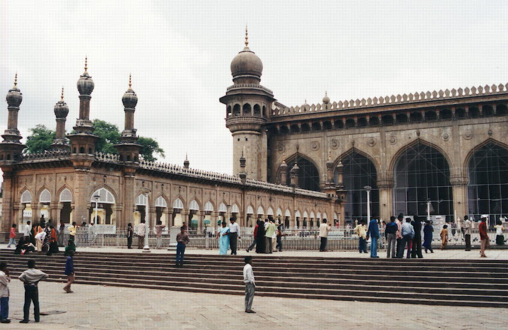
(101, 307)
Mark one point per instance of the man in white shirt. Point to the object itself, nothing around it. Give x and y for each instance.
(140, 231)
(234, 234)
(250, 284)
(26, 231)
(323, 233)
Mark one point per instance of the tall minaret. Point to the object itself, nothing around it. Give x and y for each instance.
(129, 148)
(248, 106)
(11, 146)
(61, 111)
(83, 141)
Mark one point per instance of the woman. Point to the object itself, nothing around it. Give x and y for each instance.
(484, 237)
(428, 231)
(260, 237)
(53, 241)
(444, 237)
(499, 233)
(130, 233)
(223, 238)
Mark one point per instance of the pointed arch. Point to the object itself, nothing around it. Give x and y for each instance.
(141, 200)
(305, 214)
(324, 216)
(161, 202)
(312, 215)
(105, 196)
(193, 205)
(223, 208)
(403, 149)
(26, 197)
(178, 204)
(235, 209)
(250, 210)
(287, 213)
(261, 210)
(308, 174)
(270, 211)
(297, 214)
(359, 151)
(479, 146)
(65, 196)
(45, 196)
(209, 207)
(279, 211)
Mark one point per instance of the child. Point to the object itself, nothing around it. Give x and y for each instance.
(444, 237)
(69, 271)
(12, 236)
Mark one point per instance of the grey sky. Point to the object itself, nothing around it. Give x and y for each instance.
(179, 54)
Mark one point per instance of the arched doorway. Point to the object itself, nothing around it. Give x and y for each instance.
(26, 207)
(141, 208)
(359, 172)
(194, 222)
(44, 204)
(161, 210)
(65, 206)
(105, 202)
(177, 220)
(287, 219)
(308, 174)
(297, 219)
(207, 221)
(223, 210)
(488, 183)
(422, 175)
(249, 218)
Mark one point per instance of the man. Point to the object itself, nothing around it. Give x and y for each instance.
(254, 235)
(324, 228)
(182, 240)
(234, 235)
(92, 233)
(361, 231)
(270, 232)
(61, 233)
(72, 231)
(417, 239)
(26, 231)
(467, 232)
(399, 221)
(140, 232)
(158, 233)
(373, 232)
(69, 271)
(390, 235)
(30, 279)
(483, 237)
(407, 233)
(5, 279)
(250, 284)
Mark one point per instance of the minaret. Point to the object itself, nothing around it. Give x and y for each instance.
(186, 162)
(61, 111)
(129, 148)
(83, 140)
(11, 146)
(248, 106)
(293, 173)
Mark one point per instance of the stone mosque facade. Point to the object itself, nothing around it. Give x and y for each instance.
(442, 153)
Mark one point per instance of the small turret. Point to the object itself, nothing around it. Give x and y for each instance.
(294, 175)
(186, 162)
(61, 111)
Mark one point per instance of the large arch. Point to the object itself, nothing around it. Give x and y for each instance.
(65, 205)
(359, 171)
(422, 174)
(102, 202)
(308, 174)
(488, 181)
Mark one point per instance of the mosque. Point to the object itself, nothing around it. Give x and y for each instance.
(440, 154)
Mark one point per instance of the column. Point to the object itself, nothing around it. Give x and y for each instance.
(385, 198)
(7, 202)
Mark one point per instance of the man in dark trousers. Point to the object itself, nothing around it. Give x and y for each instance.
(373, 232)
(182, 240)
(234, 234)
(250, 284)
(31, 278)
(417, 239)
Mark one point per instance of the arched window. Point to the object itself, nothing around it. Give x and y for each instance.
(161, 202)
(350, 123)
(488, 182)
(316, 126)
(45, 197)
(236, 110)
(445, 114)
(308, 175)
(305, 127)
(65, 196)
(362, 122)
(295, 128)
(460, 113)
(247, 109)
(26, 197)
(416, 117)
(339, 123)
(374, 121)
(193, 206)
(401, 118)
(178, 204)
(387, 120)
(474, 112)
(422, 174)
(358, 172)
(257, 110)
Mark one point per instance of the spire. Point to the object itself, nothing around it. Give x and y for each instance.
(15, 81)
(86, 65)
(186, 163)
(130, 82)
(61, 96)
(246, 37)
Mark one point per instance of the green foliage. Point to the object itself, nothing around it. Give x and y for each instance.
(108, 134)
(149, 147)
(40, 139)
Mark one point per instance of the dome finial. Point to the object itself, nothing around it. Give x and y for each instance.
(15, 81)
(246, 37)
(86, 64)
(130, 81)
(62, 96)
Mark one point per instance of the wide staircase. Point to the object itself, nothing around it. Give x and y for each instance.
(477, 283)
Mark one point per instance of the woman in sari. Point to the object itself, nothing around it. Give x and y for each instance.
(223, 237)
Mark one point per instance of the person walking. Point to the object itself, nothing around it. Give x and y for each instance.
(140, 231)
(72, 231)
(416, 250)
(26, 231)
(5, 279)
(69, 271)
(361, 231)
(391, 237)
(234, 235)
(270, 231)
(407, 233)
(250, 284)
(254, 239)
(373, 233)
(223, 237)
(279, 238)
(182, 240)
(324, 228)
(130, 233)
(428, 232)
(484, 237)
(467, 232)
(260, 237)
(12, 236)
(499, 233)
(444, 237)
(158, 233)
(61, 234)
(53, 241)
(31, 278)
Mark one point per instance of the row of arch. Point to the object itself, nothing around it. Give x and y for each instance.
(393, 118)
(246, 110)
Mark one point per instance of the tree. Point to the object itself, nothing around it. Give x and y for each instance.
(108, 134)
(40, 139)
(149, 147)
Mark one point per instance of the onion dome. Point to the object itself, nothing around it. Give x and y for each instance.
(61, 108)
(130, 99)
(85, 82)
(246, 63)
(326, 99)
(14, 96)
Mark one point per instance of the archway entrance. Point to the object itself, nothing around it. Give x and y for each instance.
(422, 175)
(161, 210)
(177, 220)
(488, 183)
(105, 203)
(194, 221)
(65, 206)
(308, 174)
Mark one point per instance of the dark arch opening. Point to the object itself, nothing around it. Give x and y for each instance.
(327, 125)
(387, 120)
(401, 118)
(430, 115)
(257, 110)
(416, 116)
(295, 128)
(374, 121)
(487, 111)
(308, 175)
(228, 111)
(350, 123)
(501, 110)
(236, 110)
(316, 126)
(247, 109)
(474, 112)
(460, 113)
(305, 127)
(339, 123)
(284, 129)
(445, 114)
(421, 174)
(362, 122)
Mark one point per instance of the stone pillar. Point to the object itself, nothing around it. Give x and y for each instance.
(129, 199)
(283, 173)
(8, 202)
(385, 187)
(459, 188)
(53, 213)
(81, 196)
